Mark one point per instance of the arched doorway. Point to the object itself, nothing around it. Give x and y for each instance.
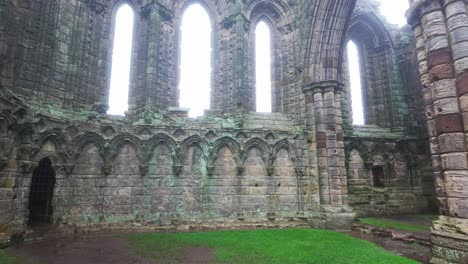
(41, 193)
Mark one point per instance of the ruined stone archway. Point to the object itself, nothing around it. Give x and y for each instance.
(41, 193)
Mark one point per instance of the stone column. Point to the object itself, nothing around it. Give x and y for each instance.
(326, 100)
(441, 31)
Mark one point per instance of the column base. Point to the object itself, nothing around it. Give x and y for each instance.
(334, 218)
(449, 237)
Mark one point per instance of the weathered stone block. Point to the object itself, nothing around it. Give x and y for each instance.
(443, 89)
(454, 161)
(452, 142)
(449, 123)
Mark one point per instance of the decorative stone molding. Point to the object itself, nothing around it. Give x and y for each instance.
(106, 168)
(3, 163)
(300, 171)
(68, 168)
(26, 166)
(230, 21)
(177, 169)
(96, 6)
(210, 170)
(240, 170)
(321, 86)
(270, 170)
(144, 169)
(164, 12)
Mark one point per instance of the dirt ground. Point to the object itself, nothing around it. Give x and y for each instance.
(409, 250)
(100, 249)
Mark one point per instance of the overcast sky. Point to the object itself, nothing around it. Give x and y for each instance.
(195, 68)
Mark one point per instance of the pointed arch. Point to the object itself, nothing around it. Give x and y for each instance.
(159, 139)
(114, 146)
(259, 144)
(82, 141)
(230, 143)
(123, 31)
(284, 144)
(195, 141)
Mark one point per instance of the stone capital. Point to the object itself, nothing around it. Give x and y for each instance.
(321, 86)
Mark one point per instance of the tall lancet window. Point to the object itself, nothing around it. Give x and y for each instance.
(263, 67)
(121, 61)
(195, 62)
(355, 71)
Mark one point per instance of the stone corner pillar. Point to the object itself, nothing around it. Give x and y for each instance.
(441, 31)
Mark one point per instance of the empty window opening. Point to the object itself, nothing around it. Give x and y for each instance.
(121, 61)
(355, 71)
(41, 193)
(195, 61)
(263, 67)
(379, 177)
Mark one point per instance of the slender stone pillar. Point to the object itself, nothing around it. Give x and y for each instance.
(441, 29)
(324, 99)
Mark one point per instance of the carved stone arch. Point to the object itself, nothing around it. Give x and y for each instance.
(290, 148)
(215, 8)
(58, 138)
(59, 163)
(322, 60)
(358, 145)
(230, 143)
(261, 145)
(370, 24)
(195, 140)
(114, 146)
(153, 142)
(276, 12)
(41, 125)
(271, 137)
(86, 139)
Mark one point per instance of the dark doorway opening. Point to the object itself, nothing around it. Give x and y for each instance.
(379, 177)
(41, 193)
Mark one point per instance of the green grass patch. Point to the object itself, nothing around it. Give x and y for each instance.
(265, 246)
(385, 223)
(7, 259)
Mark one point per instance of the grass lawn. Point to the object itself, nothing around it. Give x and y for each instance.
(7, 259)
(265, 246)
(385, 223)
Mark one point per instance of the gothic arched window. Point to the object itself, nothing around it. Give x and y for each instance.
(355, 78)
(195, 61)
(263, 67)
(121, 60)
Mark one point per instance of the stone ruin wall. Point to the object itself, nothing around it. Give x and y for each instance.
(304, 164)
